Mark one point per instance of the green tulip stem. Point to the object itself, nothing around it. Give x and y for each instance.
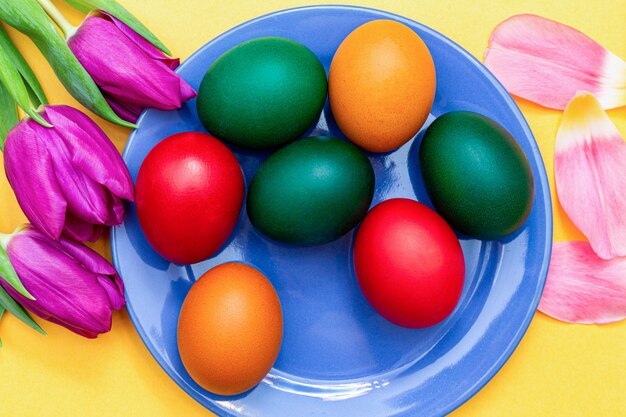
(34, 112)
(5, 239)
(54, 13)
(7, 272)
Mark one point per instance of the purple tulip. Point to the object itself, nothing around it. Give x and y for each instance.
(130, 71)
(73, 286)
(69, 178)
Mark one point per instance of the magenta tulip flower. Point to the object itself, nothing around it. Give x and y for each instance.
(130, 71)
(69, 178)
(72, 285)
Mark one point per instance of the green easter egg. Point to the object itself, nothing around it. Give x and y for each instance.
(476, 175)
(262, 93)
(311, 192)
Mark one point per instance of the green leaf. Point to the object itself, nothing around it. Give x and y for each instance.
(114, 8)
(8, 114)
(8, 273)
(17, 310)
(80, 5)
(24, 69)
(28, 17)
(12, 80)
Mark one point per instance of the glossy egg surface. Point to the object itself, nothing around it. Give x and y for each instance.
(381, 85)
(476, 175)
(262, 93)
(230, 329)
(311, 192)
(409, 263)
(189, 193)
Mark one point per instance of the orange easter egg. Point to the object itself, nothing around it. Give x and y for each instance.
(230, 329)
(381, 85)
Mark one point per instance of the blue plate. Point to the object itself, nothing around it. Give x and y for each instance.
(339, 357)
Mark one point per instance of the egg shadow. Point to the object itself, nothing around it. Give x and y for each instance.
(139, 242)
(415, 170)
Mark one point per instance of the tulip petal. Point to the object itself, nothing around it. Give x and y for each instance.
(113, 8)
(91, 260)
(36, 187)
(107, 276)
(64, 289)
(548, 62)
(149, 49)
(125, 111)
(125, 71)
(85, 198)
(77, 330)
(81, 231)
(28, 17)
(186, 91)
(116, 211)
(582, 288)
(69, 178)
(114, 289)
(590, 175)
(92, 151)
(97, 232)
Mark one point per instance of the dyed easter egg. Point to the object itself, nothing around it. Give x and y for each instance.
(262, 93)
(409, 263)
(311, 191)
(189, 194)
(230, 329)
(381, 85)
(476, 175)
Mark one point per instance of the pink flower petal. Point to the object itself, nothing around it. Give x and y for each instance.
(78, 230)
(127, 112)
(29, 169)
(114, 289)
(91, 151)
(582, 288)
(147, 48)
(590, 174)
(548, 62)
(122, 69)
(91, 260)
(67, 291)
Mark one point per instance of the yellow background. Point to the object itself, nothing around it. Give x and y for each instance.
(558, 369)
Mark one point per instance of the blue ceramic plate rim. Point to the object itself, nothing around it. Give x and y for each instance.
(542, 181)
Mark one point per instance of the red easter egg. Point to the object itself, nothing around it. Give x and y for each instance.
(409, 263)
(189, 194)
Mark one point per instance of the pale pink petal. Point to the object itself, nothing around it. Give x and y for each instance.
(582, 288)
(548, 62)
(590, 174)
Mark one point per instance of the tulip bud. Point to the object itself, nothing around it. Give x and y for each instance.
(29, 17)
(73, 286)
(69, 178)
(130, 71)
